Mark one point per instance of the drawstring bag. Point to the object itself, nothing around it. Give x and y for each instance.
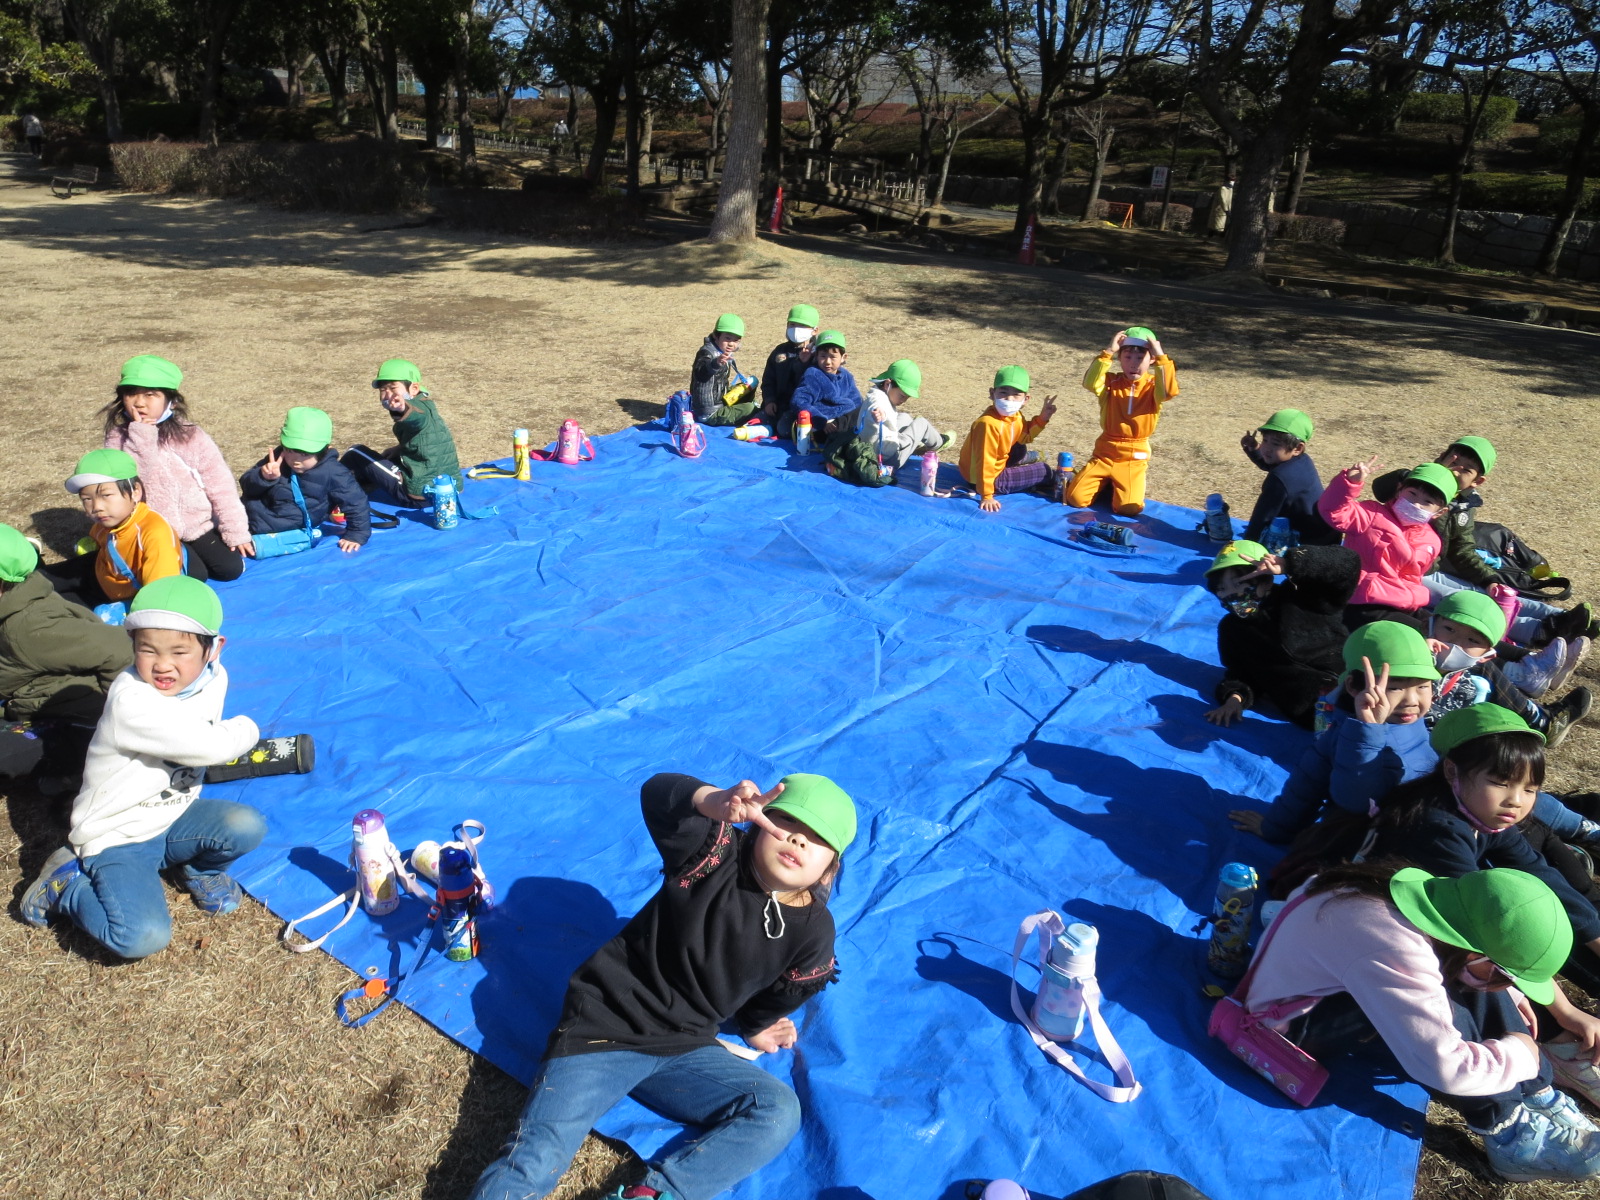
(1060, 996)
(290, 541)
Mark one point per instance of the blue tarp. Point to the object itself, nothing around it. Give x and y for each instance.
(1018, 719)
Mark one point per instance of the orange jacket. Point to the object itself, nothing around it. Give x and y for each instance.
(148, 547)
(1129, 408)
(988, 444)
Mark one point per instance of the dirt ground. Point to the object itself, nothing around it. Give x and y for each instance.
(214, 1069)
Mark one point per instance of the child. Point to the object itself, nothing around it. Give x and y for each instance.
(139, 811)
(898, 436)
(56, 662)
(827, 391)
(301, 481)
(135, 543)
(1389, 677)
(184, 475)
(722, 396)
(1130, 406)
(1292, 486)
(426, 448)
(1396, 541)
(995, 458)
(739, 931)
(785, 366)
(1283, 644)
(1372, 959)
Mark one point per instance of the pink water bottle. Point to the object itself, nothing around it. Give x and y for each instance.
(370, 854)
(688, 437)
(930, 473)
(572, 442)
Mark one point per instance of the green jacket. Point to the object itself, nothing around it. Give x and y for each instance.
(1457, 528)
(426, 447)
(56, 659)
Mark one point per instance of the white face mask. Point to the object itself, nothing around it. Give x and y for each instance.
(1009, 406)
(799, 334)
(1409, 513)
(1452, 659)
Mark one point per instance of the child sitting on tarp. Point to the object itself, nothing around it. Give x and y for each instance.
(721, 394)
(739, 932)
(1280, 643)
(1292, 486)
(1130, 405)
(135, 545)
(785, 366)
(139, 812)
(827, 391)
(402, 473)
(995, 458)
(56, 662)
(898, 436)
(301, 481)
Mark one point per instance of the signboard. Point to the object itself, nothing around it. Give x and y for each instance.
(1158, 176)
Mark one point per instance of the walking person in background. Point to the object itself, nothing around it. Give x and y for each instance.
(33, 130)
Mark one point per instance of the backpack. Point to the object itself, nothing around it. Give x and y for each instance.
(676, 403)
(855, 460)
(1519, 565)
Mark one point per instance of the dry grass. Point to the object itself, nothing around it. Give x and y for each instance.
(216, 1069)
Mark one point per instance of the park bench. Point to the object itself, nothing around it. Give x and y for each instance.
(74, 177)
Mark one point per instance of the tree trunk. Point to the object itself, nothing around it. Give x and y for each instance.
(739, 196)
(1102, 150)
(433, 106)
(333, 61)
(774, 115)
(1058, 171)
(1302, 160)
(647, 132)
(219, 18)
(294, 86)
(572, 110)
(1472, 120)
(607, 100)
(113, 107)
(466, 135)
(1035, 145)
(1572, 197)
(1249, 222)
(952, 135)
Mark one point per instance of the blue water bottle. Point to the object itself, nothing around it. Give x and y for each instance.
(1278, 535)
(446, 511)
(458, 904)
(1230, 921)
(1058, 489)
(1218, 525)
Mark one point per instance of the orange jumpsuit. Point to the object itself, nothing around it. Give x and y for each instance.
(985, 452)
(148, 548)
(1129, 410)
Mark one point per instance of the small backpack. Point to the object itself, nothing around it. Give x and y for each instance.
(1518, 564)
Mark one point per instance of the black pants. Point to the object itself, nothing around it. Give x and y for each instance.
(74, 580)
(36, 144)
(211, 558)
(1337, 1027)
(50, 747)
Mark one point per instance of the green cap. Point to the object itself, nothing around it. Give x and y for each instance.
(1238, 554)
(905, 375)
(176, 602)
(729, 323)
(831, 337)
(822, 804)
(399, 369)
(1013, 377)
(1482, 449)
(102, 466)
(1291, 421)
(804, 314)
(1508, 915)
(1475, 721)
(1401, 646)
(18, 558)
(1436, 477)
(150, 371)
(1474, 610)
(308, 429)
(1137, 335)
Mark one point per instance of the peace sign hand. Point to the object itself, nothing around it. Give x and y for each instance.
(741, 803)
(1373, 704)
(1362, 471)
(273, 467)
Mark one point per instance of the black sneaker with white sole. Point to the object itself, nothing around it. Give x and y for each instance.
(1572, 708)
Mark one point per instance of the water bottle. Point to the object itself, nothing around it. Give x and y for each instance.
(752, 433)
(1109, 531)
(1327, 704)
(458, 904)
(1218, 525)
(1069, 966)
(928, 485)
(688, 437)
(1004, 1189)
(113, 613)
(570, 443)
(1230, 921)
(369, 854)
(522, 463)
(1278, 535)
(446, 512)
(802, 433)
(1058, 489)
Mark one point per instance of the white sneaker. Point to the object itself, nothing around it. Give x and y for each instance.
(1577, 651)
(1535, 673)
(1573, 1071)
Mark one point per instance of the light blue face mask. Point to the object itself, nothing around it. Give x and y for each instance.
(166, 415)
(207, 674)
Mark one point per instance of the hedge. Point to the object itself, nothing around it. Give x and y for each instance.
(1445, 108)
(1538, 194)
(356, 176)
(1296, 227)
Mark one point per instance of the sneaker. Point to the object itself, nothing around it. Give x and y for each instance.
(1577, 650)
(1535, 673)
(947, 439)
(1535, 1143)
(1561, 1108)
(214, 892)
(44, 893)
(1574, 707)
(1574, 623)
(1573, 1071)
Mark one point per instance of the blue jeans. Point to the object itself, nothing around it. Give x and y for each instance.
(119, 900)
(1529, 617)
(748, 1118)
(1557, 817)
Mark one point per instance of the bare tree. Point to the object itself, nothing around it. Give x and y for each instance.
(735, 220)
(1576, 61)
(1097, 127)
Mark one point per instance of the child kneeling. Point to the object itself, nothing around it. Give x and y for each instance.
(641, 1016)
(139, 811)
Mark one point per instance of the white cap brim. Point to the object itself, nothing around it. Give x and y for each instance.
(1134, 342)
(162, 618)
(78, 482)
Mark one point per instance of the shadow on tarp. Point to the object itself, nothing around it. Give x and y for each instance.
(742, 615)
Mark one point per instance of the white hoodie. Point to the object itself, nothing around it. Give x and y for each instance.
(147, 758)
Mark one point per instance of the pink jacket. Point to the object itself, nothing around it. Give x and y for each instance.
(1363, 946)
(187, 482)
(1394, 557)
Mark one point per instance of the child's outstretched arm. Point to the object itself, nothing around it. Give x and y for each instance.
(1339, 503)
